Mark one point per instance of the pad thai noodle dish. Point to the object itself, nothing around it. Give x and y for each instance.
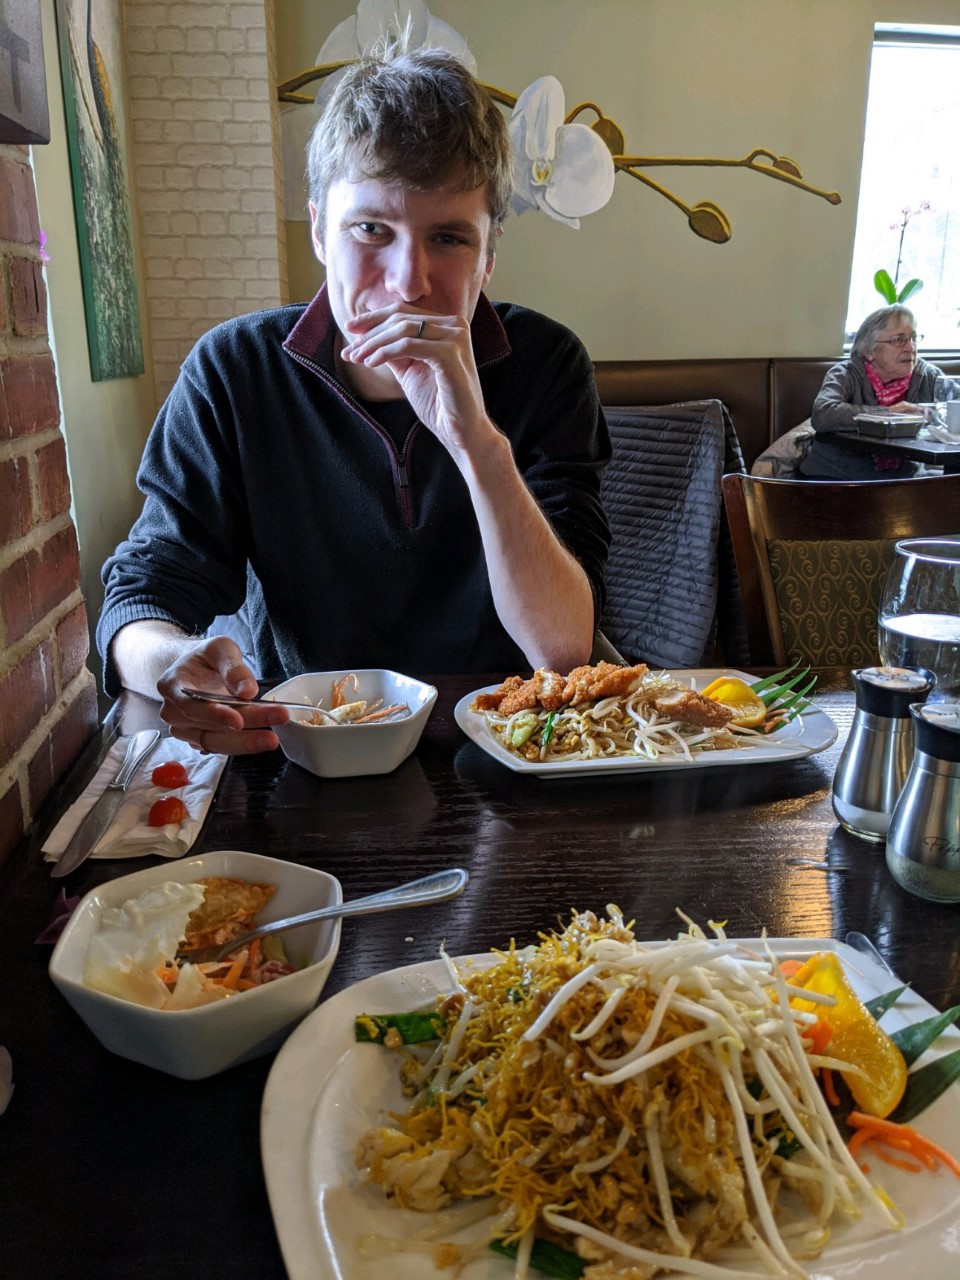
(607, 710)
(635, 1110)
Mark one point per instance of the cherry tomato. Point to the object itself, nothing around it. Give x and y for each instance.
(169, 809)
(170, 774)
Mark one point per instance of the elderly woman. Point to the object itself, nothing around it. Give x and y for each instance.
(883, 371)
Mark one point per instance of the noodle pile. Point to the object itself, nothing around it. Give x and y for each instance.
(625, 725)
(633, 1104)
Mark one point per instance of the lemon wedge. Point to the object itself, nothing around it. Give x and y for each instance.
(749, 711)
(856, 1036)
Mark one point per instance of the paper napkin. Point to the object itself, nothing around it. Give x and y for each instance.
(130, 835)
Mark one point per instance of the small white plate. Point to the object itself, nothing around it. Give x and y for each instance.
(806, 735)
(325, 1090)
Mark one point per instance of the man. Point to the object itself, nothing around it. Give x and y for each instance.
(398, 474)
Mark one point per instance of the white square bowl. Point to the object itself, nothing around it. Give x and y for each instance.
(350, 750)
(194, 1043)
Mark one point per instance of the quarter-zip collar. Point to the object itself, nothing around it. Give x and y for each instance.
(313, 337)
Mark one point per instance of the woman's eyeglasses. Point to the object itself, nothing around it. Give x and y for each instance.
(903, 339)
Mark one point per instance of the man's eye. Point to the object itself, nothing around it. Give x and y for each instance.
(448, 238)
(370, 228)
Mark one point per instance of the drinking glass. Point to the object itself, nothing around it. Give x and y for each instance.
(919, 620)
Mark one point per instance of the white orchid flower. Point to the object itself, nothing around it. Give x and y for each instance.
(375, 18)
(564, 169)
(346, 43)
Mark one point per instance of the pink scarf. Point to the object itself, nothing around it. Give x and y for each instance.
(887, 392)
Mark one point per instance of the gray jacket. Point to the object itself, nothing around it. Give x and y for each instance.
(846, 392)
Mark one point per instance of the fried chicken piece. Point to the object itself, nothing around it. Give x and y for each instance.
(605, 680)
(543, 689)
(491, 701)
(691, 708)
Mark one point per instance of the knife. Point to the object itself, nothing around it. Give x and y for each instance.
(102, 813)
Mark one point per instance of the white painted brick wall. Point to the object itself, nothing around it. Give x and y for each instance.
(207, 166)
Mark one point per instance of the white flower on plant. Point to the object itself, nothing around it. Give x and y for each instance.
(566, 170)
(376, 18)
(347, 42)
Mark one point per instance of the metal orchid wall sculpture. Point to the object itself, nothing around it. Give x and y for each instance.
(563, 167)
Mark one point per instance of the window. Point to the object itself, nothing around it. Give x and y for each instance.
(908, 218)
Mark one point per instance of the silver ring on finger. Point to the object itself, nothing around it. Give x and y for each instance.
(420, 328)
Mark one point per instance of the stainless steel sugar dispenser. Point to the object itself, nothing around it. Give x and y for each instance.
(879, 749)
(923, 843)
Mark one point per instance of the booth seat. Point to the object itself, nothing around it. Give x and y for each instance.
(765, 396)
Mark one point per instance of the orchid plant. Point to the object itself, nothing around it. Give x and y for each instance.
(882, 282)
(562, 168)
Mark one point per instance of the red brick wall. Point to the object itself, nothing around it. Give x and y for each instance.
(48, 704)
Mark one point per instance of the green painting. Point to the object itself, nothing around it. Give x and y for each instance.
(90, 40)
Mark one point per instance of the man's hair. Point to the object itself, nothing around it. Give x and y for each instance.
(417, 118)
(876, 322)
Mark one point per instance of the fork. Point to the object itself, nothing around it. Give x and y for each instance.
(199, 695)
(415, 893)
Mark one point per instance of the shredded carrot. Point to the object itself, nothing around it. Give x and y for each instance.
(384, 711)
(245, 984)
(829, 1088)
(253, 957)
(168, 974)
(235, 970)
(789, 967)
(901, 1137)
(900, 1164)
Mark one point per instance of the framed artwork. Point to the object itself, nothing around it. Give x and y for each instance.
(24, 117)
(89, 34)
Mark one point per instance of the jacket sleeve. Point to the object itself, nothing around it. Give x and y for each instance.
(560, 439)
(185, 558)
(839, 400)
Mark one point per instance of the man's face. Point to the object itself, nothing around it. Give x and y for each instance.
(418, 251)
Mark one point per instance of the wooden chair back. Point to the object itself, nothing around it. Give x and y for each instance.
(812, 555)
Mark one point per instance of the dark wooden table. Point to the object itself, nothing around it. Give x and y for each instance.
(110, 1169)
(935, 453)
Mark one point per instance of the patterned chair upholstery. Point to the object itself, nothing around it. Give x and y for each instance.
(812, 556)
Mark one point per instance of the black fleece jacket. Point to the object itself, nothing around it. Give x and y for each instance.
(266, 481)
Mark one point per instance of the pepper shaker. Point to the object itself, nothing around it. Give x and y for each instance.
(923, 843)
(879, 749)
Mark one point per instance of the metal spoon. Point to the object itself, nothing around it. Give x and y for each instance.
(416, 893)
(226, 700)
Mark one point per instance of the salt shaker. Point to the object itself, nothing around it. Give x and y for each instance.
(923, 843)
(876, 758)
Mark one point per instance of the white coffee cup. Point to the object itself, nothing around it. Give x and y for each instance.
(951, 414)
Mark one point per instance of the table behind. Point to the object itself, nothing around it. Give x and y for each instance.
(934, 453)
(110, 1169)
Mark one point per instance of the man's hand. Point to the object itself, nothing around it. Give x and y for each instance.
(215, 665)
(432, 359)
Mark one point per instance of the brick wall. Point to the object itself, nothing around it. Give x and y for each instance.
(205, 126)
(48, 704)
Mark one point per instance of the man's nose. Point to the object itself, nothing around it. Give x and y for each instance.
(408, 274)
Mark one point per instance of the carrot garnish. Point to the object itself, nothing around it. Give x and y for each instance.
(789, 967)
(253, 957)
(902, 1137)
(235, 970)
(829, 1088)
(382, 713)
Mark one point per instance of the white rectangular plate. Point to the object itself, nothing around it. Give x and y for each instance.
(325, 1090)
(804, 736)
